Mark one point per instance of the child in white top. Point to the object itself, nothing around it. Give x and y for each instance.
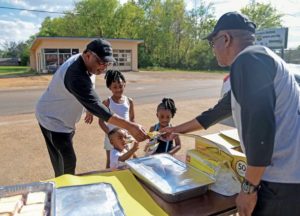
(118, 103)
(121, 150)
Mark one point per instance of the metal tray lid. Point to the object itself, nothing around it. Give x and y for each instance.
(167, 174)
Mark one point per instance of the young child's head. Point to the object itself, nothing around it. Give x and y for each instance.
(115, 81)
(165, 111)
(117, 138)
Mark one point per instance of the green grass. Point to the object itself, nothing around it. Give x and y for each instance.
(8, 71)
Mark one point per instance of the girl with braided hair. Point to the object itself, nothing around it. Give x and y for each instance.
(117, 103)
(165, 112)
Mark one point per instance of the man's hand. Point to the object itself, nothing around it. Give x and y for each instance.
(88, 118)
(168, 133)
(137, 132)
(167, 130)
(186, 127)
(133, 128)
(245, 203)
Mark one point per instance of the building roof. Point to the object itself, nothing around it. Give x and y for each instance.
(38, 39)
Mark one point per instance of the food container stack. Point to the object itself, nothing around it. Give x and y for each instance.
(35, 199)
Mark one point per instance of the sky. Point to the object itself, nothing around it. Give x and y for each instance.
(20, 25)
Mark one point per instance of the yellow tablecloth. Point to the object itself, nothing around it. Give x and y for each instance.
(133, 198)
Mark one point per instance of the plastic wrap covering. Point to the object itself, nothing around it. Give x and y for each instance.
(88, 200)
(172, 179)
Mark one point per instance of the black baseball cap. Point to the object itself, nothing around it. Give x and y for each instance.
(232, 21)
(102, 48)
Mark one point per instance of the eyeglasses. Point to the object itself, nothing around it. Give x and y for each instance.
(99, 61)
(213, 41)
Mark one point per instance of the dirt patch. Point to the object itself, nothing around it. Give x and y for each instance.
(24, 157)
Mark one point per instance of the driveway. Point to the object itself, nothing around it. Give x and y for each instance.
(17, 96)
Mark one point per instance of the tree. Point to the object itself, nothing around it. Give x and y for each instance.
(202, 20)
(263, 15)
(25, 52)
(170, 32)
(172, 35)
(11, 49)
(90, 18)
(127, 21)
(19, 50)
(48, 28)
(96, 17)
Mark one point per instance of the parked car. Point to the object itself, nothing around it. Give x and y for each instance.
(294, 69)
(51, 68)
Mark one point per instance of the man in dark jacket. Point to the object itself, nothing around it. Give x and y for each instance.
(265, 104)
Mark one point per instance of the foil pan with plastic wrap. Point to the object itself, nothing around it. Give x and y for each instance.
(170, 178)
(31, 199)
(94, 199)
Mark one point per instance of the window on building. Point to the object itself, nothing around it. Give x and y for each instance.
(56, 57)
(123, 58)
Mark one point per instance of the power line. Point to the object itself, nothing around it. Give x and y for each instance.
(31, 10)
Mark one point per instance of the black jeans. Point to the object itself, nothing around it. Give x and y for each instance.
(278, 199)
(61, 151)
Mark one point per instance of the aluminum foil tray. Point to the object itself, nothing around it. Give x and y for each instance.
(170, 178)
(24, 189)
(88, 200)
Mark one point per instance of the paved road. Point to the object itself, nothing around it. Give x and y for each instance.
(23, 101)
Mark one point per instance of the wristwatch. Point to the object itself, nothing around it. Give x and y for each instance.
(249, 188)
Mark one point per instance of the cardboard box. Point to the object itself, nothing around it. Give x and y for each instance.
(231, 134)
(223, 150)
(203, 162)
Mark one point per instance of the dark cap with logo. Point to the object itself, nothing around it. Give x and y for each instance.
(102, 48)
(232, 21)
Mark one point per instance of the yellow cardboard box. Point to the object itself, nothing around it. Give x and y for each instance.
(222, 149)
(204, 162)
(231, 134)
